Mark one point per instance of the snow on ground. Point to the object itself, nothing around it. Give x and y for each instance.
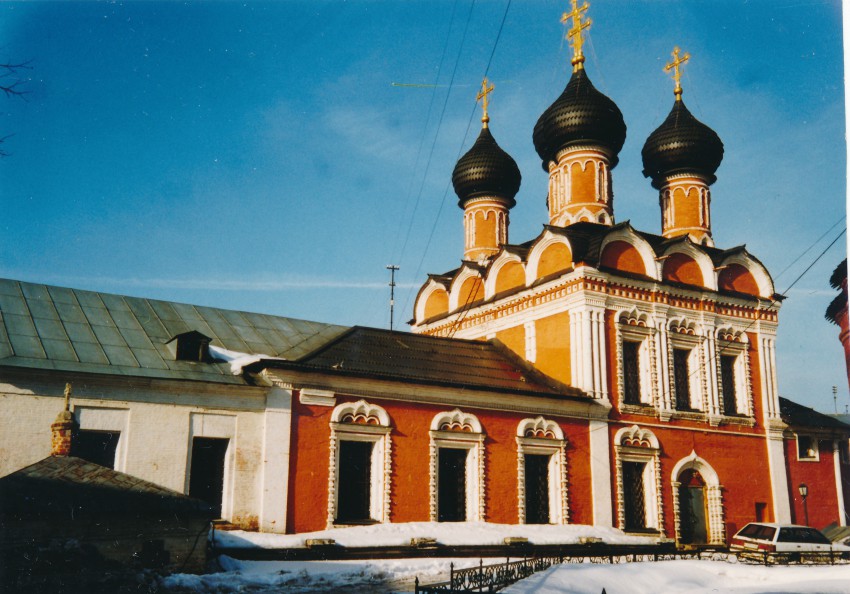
(297, 577)
(693, 577)
(454, 533)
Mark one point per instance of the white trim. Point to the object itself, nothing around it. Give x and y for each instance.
(546, 240)
(458, 430)
(274, 472)
(431, 287)
(635, 444)
(364, 422)
(600, 473)
(814, 456)
(316, 397)
(715, 521)
(503, 259)
(839, 487)
(463, 275)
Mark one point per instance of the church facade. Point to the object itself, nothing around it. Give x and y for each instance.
(596, 374)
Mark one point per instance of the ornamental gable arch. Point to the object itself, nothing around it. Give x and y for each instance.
(703, 262)
(539, 427)
(506, 272)
(628, 236)
(433, 300)
(466, 288)
(759, 273)
(551, 253)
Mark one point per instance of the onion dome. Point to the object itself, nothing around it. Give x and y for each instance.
(580, 116)
(486, 170)
(682, 144)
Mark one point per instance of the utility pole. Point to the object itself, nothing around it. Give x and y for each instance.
(392, 268)
(835, 397)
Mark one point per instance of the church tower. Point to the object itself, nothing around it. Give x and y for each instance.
(681, 157)
(485, 179)
(578, 138)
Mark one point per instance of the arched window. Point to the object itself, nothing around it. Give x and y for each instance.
(457, 468)
(359, 469)
(638, 466)
(541, 472)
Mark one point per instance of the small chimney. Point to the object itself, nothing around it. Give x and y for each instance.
(63, 428)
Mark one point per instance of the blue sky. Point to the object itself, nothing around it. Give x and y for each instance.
(257, 156)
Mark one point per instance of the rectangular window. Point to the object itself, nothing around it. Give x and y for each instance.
(634, 499)
(681, 379)
(96, 446)
(355, 481)
(206, 477)
(631, 372)
(536, 489)
(806, 448)
(727, 381)
(451, 485)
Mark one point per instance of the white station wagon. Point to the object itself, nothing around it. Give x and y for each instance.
(763, 540)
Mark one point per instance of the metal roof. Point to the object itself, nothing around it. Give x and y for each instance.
(799, 416)
(47, 327)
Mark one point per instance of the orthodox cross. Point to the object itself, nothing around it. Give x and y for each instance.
(68, 396)
(677, 73)
(482, 96)
(574, 35)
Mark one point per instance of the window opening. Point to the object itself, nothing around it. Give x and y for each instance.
(206, 478)
(536, 489)
(681, 380)
(451, 498)
(727, 381)
(631, 372)
(96, 446)
(355, 481)
(635, 496)
(806, 448)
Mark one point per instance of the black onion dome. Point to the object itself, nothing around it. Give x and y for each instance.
(486, 170)
(682, 144)
(581, 115)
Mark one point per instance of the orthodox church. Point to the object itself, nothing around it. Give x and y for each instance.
(596, 374)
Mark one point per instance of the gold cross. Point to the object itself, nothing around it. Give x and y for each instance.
(574, 35)
(677, 73)
(482, 96)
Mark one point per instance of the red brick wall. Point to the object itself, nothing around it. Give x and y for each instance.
(819, 476)
(308, 486)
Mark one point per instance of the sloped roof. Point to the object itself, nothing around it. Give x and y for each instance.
(799, 416)
(372, 352)
(58, 484)
(47, 327)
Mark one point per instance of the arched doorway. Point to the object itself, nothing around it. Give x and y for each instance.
(693, 528)
(697, 502)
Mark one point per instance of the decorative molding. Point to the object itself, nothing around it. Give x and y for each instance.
(316, 397)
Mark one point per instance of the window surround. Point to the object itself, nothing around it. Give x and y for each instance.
(716, 516)
(362, 421)
(633, 326)
(735, 344)
(544, 437)
(458, 430)
(683, 335)
(814, 449)
(634, 444)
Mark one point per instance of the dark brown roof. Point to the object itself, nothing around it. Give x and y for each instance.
(802, 417)
(371, 352)
(62, 484)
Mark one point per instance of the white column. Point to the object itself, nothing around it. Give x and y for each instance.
(275, 466)
(530, 341)
(587, 353)
(603, 357)
(575, 359)
(714, 406)
(600, 473)
(664, 367)
(778, 476)
(839, 488)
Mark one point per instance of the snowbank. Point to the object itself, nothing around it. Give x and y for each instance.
(454, 533)
(693, 577)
